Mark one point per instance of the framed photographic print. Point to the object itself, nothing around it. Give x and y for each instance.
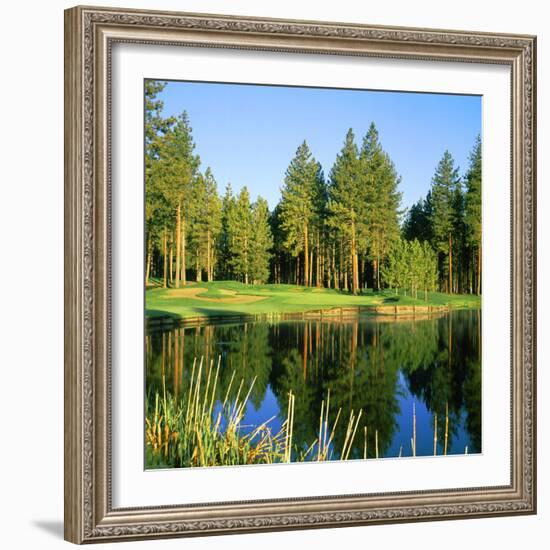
(300, 274)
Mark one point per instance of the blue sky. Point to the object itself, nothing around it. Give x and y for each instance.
(248, 134)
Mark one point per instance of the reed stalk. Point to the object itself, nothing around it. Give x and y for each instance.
(446, 427)
(435, 434)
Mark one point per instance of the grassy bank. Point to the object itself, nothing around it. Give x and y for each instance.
(230, 298)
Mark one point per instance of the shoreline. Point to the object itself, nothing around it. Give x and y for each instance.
(383, 312)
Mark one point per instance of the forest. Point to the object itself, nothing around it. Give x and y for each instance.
(345, 231)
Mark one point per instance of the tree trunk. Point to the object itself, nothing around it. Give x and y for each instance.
(148, 261)
(354, 268)
(183, 251)
(178, 246)
(377, 272)
(171, 262)
(357, 272)
(333, 265)
(306, 257)
(318, 263)
(346, 285)
(208, 258)
(165, 257)
(311, 267)
(246, 260)
(479, 269)
(450, 264)
(198, 268)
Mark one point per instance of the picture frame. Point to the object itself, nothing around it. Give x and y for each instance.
(90, 35)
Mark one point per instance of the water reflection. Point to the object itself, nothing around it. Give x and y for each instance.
(383, 367)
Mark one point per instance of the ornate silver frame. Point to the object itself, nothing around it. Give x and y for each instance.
(89, 36)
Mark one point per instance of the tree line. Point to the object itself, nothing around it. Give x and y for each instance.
(449, 219)
(343, 231)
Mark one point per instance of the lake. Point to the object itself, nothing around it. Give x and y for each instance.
(400, 373)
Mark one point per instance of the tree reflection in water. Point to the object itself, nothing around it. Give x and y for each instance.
(379, 366)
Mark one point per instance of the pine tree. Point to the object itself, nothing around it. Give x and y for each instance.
(347, 209)
(459, 232)
(443, 194)
(298, 206)
(225, 244)
(208, 223)
(155, 205)
(176, 169)
(380, 183)
(261, 244)
(155, 124)
(417, 223)
(472, 214)
(240, 236)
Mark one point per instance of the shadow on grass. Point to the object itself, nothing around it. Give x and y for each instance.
(196, 312)
(159, 313)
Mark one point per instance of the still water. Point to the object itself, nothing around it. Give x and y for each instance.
(386, 367)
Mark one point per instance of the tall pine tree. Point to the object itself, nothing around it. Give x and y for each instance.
(262, 242)
(241, 236)
(177, 168)
(380, 182)
(472, 214)
(299, 205)
(443, 194)
(209, 224)
(347, 209)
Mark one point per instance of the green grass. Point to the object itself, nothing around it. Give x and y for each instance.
(221, 298)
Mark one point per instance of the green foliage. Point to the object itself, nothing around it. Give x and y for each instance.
(262, 242)
(225, 243)
(417, 223)
(445, 185)
(240, 236)
(299, 199)
(472, 214)
(380, 183)
(447, 217)
(208, 222)
(411, 266)
(347, 197)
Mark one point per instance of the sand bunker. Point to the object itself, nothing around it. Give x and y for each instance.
(230, 296)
